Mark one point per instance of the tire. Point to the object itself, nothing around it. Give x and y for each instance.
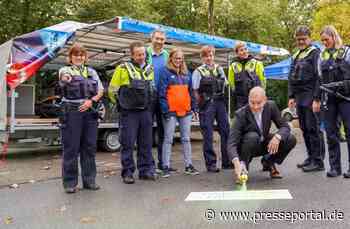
(110, 141)
(288, 117)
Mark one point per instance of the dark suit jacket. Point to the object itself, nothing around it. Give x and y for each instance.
(245, 122)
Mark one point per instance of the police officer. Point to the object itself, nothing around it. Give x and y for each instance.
(132, 84)
(81, 90)
(334, 67)
(208, 83)
(303, 93)
(245, 72)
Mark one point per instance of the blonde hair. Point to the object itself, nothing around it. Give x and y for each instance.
(239, 45)
(183, 68)
(331, 31)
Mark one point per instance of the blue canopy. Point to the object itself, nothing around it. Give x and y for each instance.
(278, 71)
(132, 25)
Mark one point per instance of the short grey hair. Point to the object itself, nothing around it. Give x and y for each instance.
(257, 91)
(302, 30)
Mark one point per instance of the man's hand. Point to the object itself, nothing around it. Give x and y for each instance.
(274, 143)
(86, 105)
(238, 169)
(291, 103)
(66, 77)
(316, 106)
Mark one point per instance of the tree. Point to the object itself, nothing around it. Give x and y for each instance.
(336, 14)
(23, 16)
(211, 16)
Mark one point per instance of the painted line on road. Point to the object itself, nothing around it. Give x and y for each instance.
(240, 195)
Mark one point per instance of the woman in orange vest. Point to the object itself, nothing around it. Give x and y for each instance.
(177, 104)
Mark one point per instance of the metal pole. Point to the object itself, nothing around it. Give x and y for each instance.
(13, 118)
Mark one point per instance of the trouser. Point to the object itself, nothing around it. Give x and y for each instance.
(334, 108)
(215, 110)
(313, 136)
(251, 147)
(136, 127)
(185, 132)
(79, 138)
(157, 114)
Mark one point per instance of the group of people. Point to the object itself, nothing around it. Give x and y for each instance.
(156, 85)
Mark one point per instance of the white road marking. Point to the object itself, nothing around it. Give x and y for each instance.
(240, 195)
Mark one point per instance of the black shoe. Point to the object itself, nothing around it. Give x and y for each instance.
(190, 170)
(213, 170)
(92, 187)
(307, 162)
(148, 177)
(230, 166)
(166, 173)
(266, 167)
(128, 180)
(313, 167)
(70, 190)
(274, 173)
(333, 173)
(347, 174)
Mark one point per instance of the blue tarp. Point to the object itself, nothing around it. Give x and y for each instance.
(278, 71)
(132, 25)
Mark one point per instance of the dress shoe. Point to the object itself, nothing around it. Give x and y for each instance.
(265, 164)
(93, 187)
(333, 173)
(148, 177)
(307, 162)
(274, 173)
(213, 170)
(313, 167)
(128, 180)
(347, 174)
(70, 190)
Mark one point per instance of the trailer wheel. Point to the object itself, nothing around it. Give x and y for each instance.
(110, 141)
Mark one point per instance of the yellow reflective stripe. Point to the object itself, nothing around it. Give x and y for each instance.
(75, 71)
(303, 54)
(133, 73)
(250, 66)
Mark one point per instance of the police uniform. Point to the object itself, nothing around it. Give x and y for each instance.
(303, 87)
(212, 106)
(334, 66)
(133, 87)
(244, 74)
(79, 129)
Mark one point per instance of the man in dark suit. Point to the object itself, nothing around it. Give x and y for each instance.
(250, 135)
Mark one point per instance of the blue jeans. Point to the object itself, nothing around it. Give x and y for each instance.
(185, 131)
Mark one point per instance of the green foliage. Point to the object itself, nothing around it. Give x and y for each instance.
(268, 22)
(335, 13)
(24, 16)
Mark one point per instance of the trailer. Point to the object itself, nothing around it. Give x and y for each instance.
(35, 54)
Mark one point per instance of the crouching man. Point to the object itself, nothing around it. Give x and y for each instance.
(250, 135)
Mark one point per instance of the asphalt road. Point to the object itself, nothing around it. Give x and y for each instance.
(41, 203)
